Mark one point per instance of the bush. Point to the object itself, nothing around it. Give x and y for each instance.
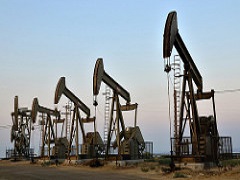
(164, 161)
(231, 162)
(46, 163)
(145, 168)
(152, 167)
(179, 175)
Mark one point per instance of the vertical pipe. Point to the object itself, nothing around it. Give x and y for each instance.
(95, 136)
(44, 129)
(66, 120)
(77, 140)
(118, 130)
(55, 129)
(135, 119)
(49, 137)
(30, 133)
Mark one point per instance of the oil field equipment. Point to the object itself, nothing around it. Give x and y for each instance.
(21, 130)
(49, 136)
(92, 143)
(129, 141)
(204, 142)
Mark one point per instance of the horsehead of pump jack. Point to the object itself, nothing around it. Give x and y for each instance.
(37, 108)
(62, 89)
(100, 75)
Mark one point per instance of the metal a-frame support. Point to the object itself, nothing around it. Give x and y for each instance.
(188, 103)
(48, 136)
(114, 124)
(76, 121)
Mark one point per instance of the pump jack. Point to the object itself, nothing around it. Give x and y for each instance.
(21, 130)
(204, 141)
(49, 136)
(92, 142)
(132, 145)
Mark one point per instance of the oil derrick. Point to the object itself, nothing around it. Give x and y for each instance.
(129, 141)
(92, 143)
(21, 130)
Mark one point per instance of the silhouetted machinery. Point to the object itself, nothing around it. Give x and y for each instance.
(92, 143)
(21, 130)
(129, 141)
(203, 144)
(49, 136)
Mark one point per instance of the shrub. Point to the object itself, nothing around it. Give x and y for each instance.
(231, 162)
(164, 161)
(145, 169)
(179, 175)
(46, 163)
(152, 167)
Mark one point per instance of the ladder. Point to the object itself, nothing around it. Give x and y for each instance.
(177, 94)
(68, 118)
(107, 94)
(67, 113)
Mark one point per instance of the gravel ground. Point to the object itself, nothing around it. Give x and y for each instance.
(24, 170)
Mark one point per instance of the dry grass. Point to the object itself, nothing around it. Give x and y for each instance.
(144, 170)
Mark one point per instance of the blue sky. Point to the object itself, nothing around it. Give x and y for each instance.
(40, 41)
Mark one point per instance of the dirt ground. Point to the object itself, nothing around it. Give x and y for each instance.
(25, 170)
